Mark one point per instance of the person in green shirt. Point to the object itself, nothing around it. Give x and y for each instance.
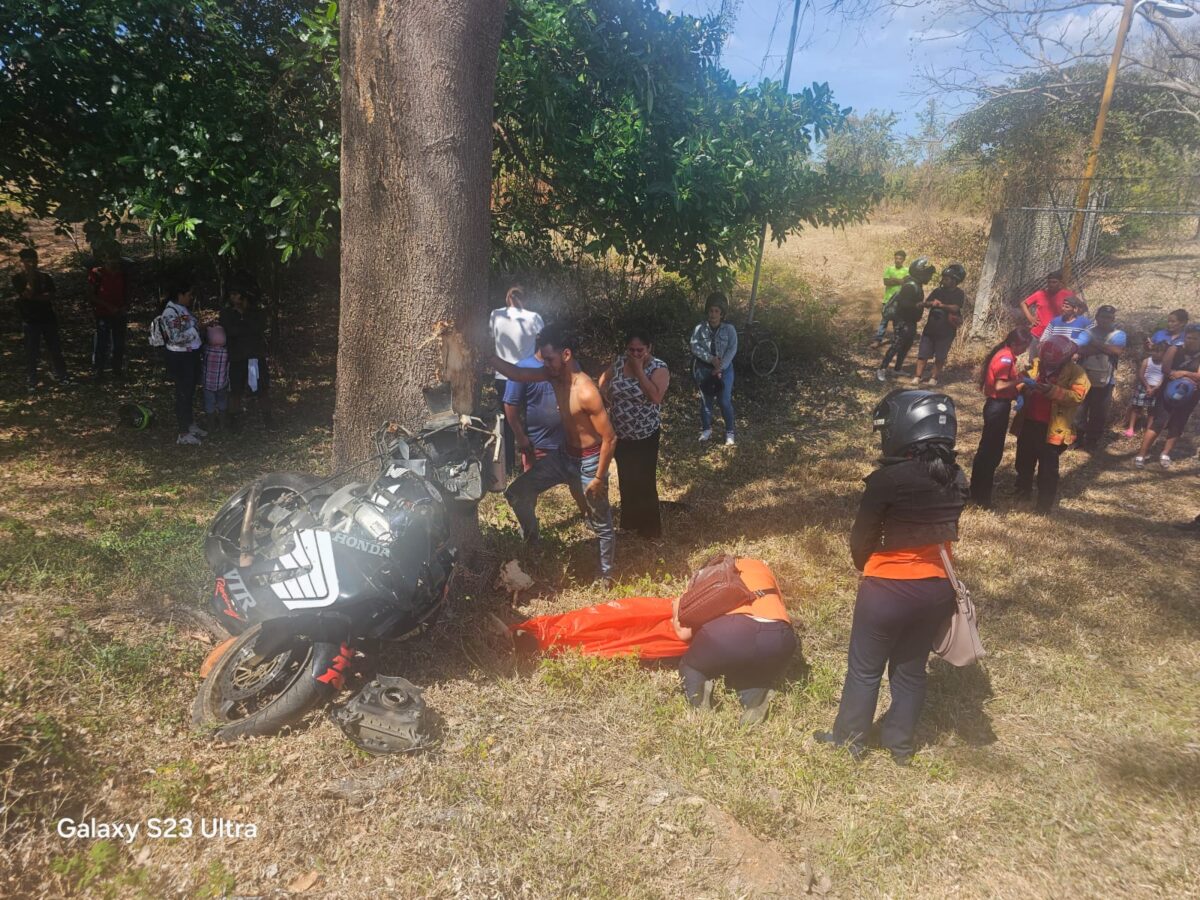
(893, 277)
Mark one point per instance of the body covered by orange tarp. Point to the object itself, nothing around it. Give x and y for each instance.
(633, 626)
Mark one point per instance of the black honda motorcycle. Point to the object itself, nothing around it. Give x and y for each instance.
(312, 579)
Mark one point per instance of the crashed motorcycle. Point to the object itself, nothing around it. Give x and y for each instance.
(313, 580)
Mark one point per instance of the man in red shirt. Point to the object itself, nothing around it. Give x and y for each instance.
(110, 301)
(1041, 307)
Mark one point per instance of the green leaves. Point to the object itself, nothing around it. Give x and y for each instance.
(619, 132)
(212, 121)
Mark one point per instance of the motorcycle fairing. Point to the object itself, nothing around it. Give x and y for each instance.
(312, 552)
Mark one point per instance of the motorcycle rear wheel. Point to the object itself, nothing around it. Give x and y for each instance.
(245, 697)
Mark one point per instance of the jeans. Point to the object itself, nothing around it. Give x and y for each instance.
(35, 331)
(1033, 451)
(637, 466)
(991, 450)
(558, 467)
(1092, 418)
(749, 653)
(895, 622)
(724, 398)
(183, 368)
(906, 332)
(216, 401)
(110, 337)
(882, 329)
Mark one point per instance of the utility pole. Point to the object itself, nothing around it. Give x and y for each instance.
(762, 239)
(1093, 157)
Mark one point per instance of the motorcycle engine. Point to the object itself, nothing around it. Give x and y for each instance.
(387, 716)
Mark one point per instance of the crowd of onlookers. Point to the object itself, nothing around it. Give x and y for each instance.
(563, 428)
(1057, 370)
(225, 356)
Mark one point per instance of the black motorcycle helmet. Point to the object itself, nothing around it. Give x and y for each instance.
(907, 417)
(957, 271)
(921, 270)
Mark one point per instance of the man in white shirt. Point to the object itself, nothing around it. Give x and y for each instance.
(514, 333)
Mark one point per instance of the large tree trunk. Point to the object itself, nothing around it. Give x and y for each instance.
(417, 83)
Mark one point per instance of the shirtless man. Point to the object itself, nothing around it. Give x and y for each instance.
(582, 461)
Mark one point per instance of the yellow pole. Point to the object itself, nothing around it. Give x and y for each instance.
(1093, 157)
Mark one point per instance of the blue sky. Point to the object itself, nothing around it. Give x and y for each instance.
(870, 64)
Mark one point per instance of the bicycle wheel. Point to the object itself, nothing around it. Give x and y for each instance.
(764, 357)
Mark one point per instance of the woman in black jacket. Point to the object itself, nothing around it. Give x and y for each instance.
(907, 516)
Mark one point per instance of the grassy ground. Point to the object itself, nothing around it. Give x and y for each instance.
(1067, 765)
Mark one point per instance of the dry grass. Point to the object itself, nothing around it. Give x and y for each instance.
(1068, 765)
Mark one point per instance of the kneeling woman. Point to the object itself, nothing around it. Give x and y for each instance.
(750, 646)
(907, 514)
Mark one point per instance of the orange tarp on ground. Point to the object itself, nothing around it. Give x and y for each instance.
(632, 626)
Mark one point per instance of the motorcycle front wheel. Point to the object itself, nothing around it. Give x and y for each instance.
(245, 695)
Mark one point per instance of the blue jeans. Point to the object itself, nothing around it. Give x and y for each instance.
(557, 467)
(724, 398)
(882, 329)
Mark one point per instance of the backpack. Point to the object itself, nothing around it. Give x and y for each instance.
(158, 332)
(713, 591)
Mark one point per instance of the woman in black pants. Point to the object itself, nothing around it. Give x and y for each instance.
(749, 646)
(908, 514)
(998, 379)
(633, 389)
(181, 352)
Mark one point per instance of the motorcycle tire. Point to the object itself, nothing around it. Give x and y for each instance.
(220, 540)
(297, 692)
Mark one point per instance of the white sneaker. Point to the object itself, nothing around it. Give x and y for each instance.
(1164, 461)
(706, 434)
(1139, 461)
(188, 438)
(916, 381)
(933, 382)
(196, 430)
(881, 374)
(730, 441)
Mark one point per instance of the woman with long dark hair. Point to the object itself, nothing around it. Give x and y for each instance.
(633, 387)
(907, 518)
(999, 380)
(181, 351)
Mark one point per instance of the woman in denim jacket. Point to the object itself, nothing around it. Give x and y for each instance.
(714, 345)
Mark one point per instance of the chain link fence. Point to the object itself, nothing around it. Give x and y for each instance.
(1139, 251)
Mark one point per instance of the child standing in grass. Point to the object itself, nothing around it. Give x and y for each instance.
(216, 375)
(1150, 379)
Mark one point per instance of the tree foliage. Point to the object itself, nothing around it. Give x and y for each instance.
(1029, 137)
(213, 120)
(618, 131)
(217, 122)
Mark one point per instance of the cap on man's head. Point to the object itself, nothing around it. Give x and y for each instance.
(1056, 275)
(1106, 309)
(28, 253)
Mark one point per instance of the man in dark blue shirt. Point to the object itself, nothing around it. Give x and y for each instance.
(531, 410)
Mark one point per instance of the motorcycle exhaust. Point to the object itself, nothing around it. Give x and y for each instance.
(246, 538)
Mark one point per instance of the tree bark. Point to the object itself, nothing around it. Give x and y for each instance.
(418, 78)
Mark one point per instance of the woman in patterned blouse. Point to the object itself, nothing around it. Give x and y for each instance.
(634, 387)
